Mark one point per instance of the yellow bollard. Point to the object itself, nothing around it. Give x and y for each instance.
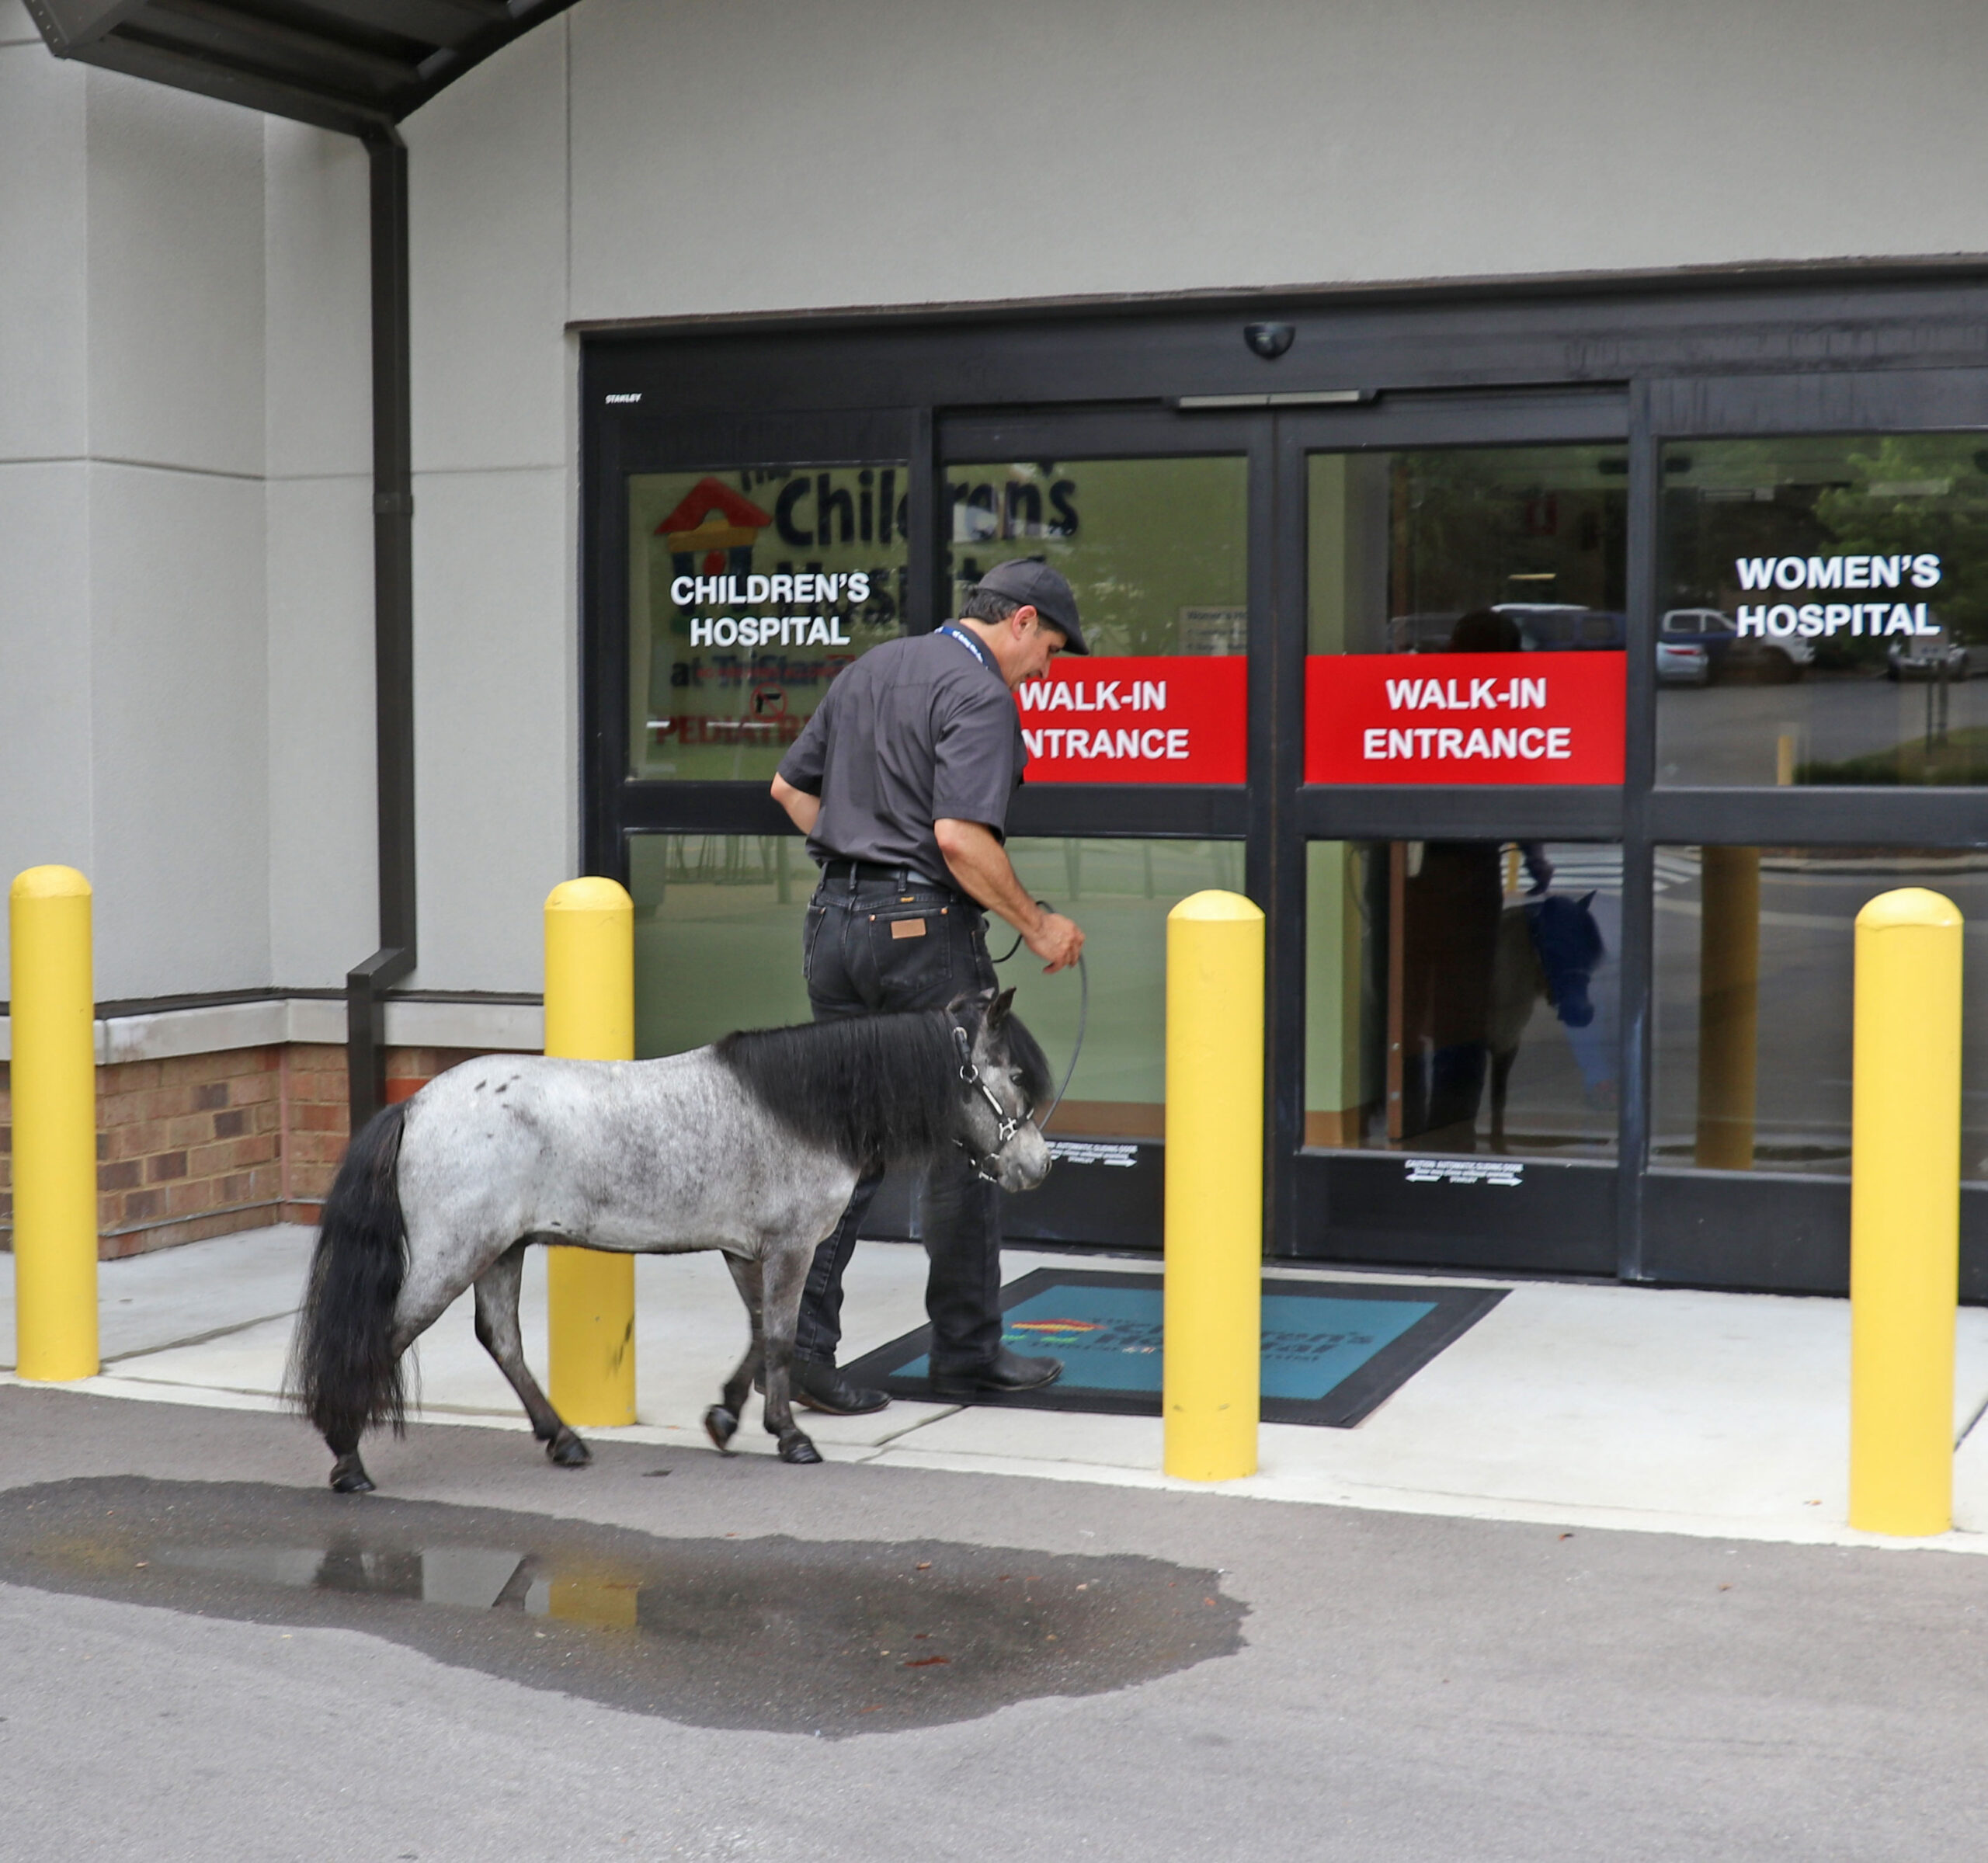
(1214, 1186)
(1905, 1213)
(590, 1015)
(54, 1092)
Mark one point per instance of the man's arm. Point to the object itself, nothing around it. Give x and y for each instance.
(980, 865)
(801, 807)
(797, 782)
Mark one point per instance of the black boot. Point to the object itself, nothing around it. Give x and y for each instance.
(816, 1385)
(1006, 1371)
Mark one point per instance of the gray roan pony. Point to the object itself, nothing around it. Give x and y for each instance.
(751, 1146)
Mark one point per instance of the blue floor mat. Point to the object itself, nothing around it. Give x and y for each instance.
(1333, 1350)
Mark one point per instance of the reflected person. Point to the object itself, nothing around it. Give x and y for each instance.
(1453, 897)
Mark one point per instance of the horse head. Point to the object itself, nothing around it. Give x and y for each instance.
(1569, 945)
(1003, 1077)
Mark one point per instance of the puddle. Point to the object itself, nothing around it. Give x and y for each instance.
(835, 1637)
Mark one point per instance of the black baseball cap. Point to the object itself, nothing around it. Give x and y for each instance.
(1030, 582)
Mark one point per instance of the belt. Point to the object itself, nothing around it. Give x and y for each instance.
(879, 872)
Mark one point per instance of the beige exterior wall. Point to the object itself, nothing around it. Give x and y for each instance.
(186, 586)
(736, 155)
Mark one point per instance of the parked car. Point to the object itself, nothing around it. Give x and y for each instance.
(1682, 663)
(1926, 656)
(1772, 661)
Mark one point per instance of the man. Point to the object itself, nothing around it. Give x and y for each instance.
(901, 783)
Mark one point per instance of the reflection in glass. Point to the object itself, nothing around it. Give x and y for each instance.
(748, 590)
(717, 936)
(1834, 590)
(1755, 956)
(718, 921)
(1156, 549)
(1463, 995)
(1525, 547)
(1119, 892)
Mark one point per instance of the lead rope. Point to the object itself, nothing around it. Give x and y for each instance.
(1083, 1016)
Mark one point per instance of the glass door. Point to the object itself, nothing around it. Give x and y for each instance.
(1459, 584)
(1140, 754)
(1830, 568)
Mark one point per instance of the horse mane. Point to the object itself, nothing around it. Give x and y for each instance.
(876, 1090)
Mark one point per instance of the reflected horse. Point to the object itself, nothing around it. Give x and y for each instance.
(1547, 948)
(751, 1147)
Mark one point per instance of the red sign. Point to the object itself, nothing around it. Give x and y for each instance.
(1464, 718)
(1152, 718)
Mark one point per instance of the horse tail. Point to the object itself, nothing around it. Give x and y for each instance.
(345, 1375)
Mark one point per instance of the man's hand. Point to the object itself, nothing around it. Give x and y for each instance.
(1056, 938)
(981, 865)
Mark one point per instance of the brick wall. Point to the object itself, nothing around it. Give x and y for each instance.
(204, 1145)
(314, 1125)
(188, 1147)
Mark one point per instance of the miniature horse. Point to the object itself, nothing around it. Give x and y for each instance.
(752, 1146)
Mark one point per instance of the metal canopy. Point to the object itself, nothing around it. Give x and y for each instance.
(356, 66)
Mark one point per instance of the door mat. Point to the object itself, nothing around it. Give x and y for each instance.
(1333, 1350)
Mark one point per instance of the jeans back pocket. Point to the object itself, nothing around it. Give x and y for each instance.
(912, 946)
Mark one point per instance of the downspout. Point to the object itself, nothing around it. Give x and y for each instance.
(393, 633)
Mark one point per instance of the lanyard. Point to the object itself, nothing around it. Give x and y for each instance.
(973, 647)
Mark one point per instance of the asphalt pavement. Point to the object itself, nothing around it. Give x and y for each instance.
(674, 1655)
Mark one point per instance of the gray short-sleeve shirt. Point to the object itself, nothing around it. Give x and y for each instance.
(917, 730)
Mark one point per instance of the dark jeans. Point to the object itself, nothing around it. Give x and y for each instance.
(857, 965)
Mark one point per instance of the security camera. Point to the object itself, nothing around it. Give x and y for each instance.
(1269, 340)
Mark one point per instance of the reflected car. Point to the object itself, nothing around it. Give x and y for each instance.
(1682, 663)
(1926, 656)
(1772, 663)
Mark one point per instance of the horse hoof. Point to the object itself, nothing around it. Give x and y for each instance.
(348, 1476)
(798, 1448)
(566, 1451)
(721, 1425)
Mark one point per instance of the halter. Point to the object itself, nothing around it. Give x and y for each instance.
(1006, 1125)
(971, 1074)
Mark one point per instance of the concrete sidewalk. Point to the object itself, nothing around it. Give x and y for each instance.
(1711, 1414)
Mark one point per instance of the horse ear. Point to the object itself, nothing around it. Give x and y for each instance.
(997, 1011)
(1587, 899)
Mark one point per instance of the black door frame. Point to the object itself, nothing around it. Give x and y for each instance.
(1753, 357)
